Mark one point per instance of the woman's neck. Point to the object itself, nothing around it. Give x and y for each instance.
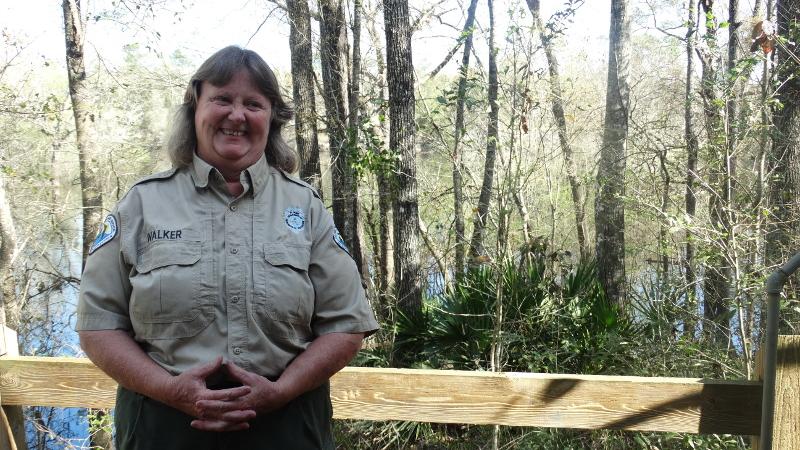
(235, 188)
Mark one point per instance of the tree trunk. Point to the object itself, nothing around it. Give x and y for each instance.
(458, 192)
(691, 173)
(578, 200)
(305, 120)
(400, 78)
(91, 191)
(716, 284)
(477, 247)
(333, 49)
(609, 206)
(9, 310)
(354, 122)
(386, 192)
(785, 155)
(80, 93)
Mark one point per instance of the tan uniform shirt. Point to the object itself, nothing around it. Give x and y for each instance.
(193, 273)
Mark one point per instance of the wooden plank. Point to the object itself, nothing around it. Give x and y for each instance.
(786, 425)
(549, 400)
(64, 382)
(516, 399)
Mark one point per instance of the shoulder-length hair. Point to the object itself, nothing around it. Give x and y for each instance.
(218, 70)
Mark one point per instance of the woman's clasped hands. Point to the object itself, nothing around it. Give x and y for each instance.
(228, 409)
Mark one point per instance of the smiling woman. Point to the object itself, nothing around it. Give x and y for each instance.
(232, 124)
(222, 301)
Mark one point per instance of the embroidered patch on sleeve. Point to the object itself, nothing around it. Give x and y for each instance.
(339, 240)
(295, 219)
(106, 233)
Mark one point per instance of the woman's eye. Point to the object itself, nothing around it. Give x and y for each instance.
(254, 105)
(221, 99)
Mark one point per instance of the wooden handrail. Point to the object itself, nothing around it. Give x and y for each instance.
(516, 399)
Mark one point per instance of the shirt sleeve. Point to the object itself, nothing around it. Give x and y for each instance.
(105, 287)
(340, 304)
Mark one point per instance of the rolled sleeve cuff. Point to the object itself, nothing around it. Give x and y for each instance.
(367, 327)
(105, 321)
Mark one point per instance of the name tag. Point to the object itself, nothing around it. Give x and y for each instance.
(163, 234)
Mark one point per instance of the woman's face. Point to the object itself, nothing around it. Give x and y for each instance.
(232, 124)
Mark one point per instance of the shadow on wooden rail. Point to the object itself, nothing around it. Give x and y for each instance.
(514, 399)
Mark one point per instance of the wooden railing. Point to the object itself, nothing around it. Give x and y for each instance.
(514, 399)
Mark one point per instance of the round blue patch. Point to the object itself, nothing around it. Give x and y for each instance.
(295, 219)
(339, 240)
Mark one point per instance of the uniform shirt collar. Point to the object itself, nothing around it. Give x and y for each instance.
(200, 171)
(258, 172)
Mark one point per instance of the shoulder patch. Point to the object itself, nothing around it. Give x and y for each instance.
(107, 232)
(339, 240)
(299, 182)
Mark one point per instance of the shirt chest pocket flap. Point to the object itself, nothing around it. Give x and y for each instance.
(289, 294)
(165, 286)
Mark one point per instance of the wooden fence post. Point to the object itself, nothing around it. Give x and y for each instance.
(9, 347)
(786, 426)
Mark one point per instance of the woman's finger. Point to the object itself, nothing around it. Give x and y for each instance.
(239, 374)
(229, 394)
(230, 411)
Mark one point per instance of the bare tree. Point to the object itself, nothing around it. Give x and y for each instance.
(458, 192)
(305, 120)
(578, 198)
(400, 78)
(477, 245)
(91, 189)
(716, 283)
(333, 50)
(385, 246)
(691, 167)
(785, 156)
(9, 305)
(80, 92)
(609, 205)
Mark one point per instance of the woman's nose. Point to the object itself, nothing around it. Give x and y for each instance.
(237, 113)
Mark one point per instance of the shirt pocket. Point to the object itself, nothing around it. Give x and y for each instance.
(166, 302)
(284, 297)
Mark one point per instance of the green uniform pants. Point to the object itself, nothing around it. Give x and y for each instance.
(145, 424)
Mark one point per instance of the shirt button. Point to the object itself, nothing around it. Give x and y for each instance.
(237, 351)
(234, 250)
(234, 207)
(235, 299)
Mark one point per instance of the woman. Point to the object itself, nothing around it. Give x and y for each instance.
(219, 294)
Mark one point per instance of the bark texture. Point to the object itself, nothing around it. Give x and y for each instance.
(400, 80)
(691, 171)
(458, 179)
(477, 244)
(557, 107)
(386, 199)
(333, 49)
(609, 205)
(716, 283)
(305, 119)
(9, 310)
(91, 189)
(80, 94)
(785, 155)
